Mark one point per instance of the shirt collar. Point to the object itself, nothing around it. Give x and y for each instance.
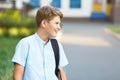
(40, 40)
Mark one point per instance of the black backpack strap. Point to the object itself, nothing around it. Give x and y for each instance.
(56, 54)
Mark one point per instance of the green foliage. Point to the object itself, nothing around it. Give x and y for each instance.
(11, 21)
(28, 22)
(10, 18)
(7, 47)
(115, 29)
(17, 32)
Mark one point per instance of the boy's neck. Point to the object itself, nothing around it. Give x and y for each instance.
(43, 35)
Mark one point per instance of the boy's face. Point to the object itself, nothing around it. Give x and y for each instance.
(53, 26)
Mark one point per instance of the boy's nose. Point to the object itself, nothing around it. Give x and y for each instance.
(59, 28)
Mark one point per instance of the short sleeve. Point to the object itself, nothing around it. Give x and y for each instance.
(63, 59)
(21, 52)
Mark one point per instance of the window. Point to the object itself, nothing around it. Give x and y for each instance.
(75, 3)
(56, 3)
(34, 3)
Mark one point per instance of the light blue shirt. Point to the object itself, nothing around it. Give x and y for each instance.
(38, 58)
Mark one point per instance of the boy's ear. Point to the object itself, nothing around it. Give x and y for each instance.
(44, 23)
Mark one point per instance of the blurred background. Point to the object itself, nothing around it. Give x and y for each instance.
(85, 25)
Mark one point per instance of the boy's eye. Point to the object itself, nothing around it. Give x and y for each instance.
(60, 24)
(57, 23)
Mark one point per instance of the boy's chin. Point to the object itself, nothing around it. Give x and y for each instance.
(53, 37)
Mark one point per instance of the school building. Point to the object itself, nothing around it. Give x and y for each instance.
(77, 9)
(87, 9)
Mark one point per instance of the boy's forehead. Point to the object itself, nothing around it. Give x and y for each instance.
(56, 18)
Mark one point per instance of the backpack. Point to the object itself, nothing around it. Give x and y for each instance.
(56, 54)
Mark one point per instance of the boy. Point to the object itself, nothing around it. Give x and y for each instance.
(34, 57)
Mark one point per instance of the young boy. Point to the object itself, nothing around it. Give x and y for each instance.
(34, 57)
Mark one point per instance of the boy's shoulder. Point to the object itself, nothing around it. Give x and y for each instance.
(27, 39)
